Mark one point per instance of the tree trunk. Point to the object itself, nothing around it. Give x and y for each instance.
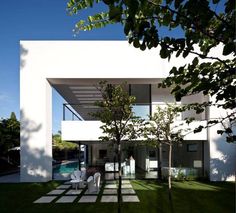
(114, 162)
(159, 160)
(169, 178)
(119, 168)
(169, 173)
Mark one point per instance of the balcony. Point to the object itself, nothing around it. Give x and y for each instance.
(75, 128)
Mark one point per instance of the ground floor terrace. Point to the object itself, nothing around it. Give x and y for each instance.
(189, 161)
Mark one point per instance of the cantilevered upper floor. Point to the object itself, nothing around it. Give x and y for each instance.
(65, 65)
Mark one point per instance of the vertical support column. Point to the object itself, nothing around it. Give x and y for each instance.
(222, 154)
(36, 127)
(79, 156)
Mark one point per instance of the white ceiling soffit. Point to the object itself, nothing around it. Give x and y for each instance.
(81, 98)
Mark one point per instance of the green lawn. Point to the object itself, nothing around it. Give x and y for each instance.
(189, 197)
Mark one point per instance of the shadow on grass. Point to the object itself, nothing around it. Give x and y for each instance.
(188, 196)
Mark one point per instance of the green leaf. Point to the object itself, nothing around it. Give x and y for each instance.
(215, 1)
(127, 28)
(185, 53)
(220, 132)
(176, 89)
(115, 13)
(164, 53)
(195, 61)
(177, 3)
(228, 48)
(143, 47)
(136, 43)
(198, 129)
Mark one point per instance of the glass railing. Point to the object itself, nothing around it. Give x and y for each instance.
(83, 112)
(69, 112)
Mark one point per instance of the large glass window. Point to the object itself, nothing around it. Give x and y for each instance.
(143, 99)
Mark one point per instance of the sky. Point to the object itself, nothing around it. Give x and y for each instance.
(40, 20)
(37, 20)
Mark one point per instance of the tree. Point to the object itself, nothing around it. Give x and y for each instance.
(60, 145)
(63, 145)
(162, 130)
(201, 25)
(120, 125)
(9, 133)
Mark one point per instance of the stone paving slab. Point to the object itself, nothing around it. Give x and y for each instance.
(92, 193)
(126, 186)
(110, 181)
(63, 187)
(125, 181)
(110, 191)
(88, 199)
(127, 191)
(130, 198)
(45, 199)
(66, 199)
(110, 186)
(74, 192)
(56, 192)
(109, 199)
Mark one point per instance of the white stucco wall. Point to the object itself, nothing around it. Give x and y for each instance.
(81, 130)
(43, 61)
(222, 154)
(46, 60)
(91, 131)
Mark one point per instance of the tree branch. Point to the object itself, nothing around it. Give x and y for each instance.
(188, 19)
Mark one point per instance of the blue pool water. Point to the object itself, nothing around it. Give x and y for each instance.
(66, 168)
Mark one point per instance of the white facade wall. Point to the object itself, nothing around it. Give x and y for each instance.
(222, 154)
(91, 131)
(45, 62)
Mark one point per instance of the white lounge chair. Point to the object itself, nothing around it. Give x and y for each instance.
(91, 186)
(97, 180)
(74, 181)
(82, 183)
(77, 174)
(83, 173)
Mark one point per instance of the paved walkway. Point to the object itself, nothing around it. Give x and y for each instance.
(12, 178)
(107, 194)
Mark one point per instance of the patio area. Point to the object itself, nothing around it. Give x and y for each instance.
(106, 194)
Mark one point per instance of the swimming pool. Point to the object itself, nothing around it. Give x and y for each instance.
(66, 168)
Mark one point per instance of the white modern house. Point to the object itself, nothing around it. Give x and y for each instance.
(74, 68)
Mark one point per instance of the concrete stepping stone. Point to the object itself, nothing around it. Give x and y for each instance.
(127, 191)
(126, 186)
(130, 198)
(111, 186)
(66, 199)
(109, 199)
(92, 193)
(45, 199)
(110, 181)
(56, 192)
(74, 192)
(110, 191)
(88, 199)
(125, 182)
(63, 187)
